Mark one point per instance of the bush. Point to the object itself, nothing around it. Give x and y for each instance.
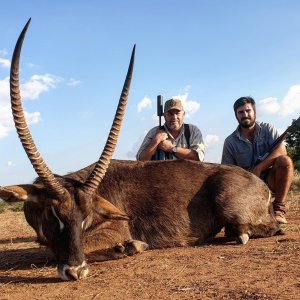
(297, 165)
(18, 206)
(3, 205)
(296, 182)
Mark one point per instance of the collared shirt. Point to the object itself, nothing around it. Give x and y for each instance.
(239, 151)
(196, 141)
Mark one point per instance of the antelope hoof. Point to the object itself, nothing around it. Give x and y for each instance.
(119, 248)
(133, 247)
(67, 272)
(243, 238)
(280, 231)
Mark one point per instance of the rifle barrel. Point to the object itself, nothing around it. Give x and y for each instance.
(160, 108)
(280, 139)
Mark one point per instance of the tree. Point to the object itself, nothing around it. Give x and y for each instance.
(293, 146)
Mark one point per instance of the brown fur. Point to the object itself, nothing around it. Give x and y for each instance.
(179, 203)
(159, 204)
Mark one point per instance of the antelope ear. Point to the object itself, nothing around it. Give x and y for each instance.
(108, 210)
(17, 193)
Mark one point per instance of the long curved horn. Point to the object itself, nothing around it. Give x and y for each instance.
(33, 154)
(101, 166)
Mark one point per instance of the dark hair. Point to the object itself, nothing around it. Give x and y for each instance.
(242, 101)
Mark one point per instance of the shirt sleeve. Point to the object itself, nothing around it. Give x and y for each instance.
(196, 142)
(149, 136)
(273, 133)
(227, 154)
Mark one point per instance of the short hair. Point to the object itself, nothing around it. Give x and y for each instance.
(242, 101)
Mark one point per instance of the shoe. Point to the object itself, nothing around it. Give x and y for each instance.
(280, 217)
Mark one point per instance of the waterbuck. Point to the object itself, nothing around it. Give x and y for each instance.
(116, 208)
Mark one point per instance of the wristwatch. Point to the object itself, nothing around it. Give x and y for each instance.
(174, 150)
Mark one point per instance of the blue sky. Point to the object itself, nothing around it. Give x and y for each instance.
(75, 57)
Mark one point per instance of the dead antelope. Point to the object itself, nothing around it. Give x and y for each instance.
(111, 210)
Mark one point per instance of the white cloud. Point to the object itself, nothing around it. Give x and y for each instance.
(37, 85)
(6, 120)
(73, 82)
(31, 65)
(5, 63)
(3, 52)
(131, 154)
(291, 102)
(10, 164)
(4, 130)
(144, 103)
(32, 89)
(32, 118)
(4, 92)
(155, 120)
(268, 106)
(211, 139)
(190, 106)
(289, 105)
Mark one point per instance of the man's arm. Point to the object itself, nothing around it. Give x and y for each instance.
(197, 148)
(184, 153)
(273, 152)
(150, 145)
(269, 161)
(181, 153)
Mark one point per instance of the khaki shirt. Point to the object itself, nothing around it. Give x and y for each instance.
(239, 151)
(196, 141)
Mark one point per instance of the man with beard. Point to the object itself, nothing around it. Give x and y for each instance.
(248, 142)
(176, 139)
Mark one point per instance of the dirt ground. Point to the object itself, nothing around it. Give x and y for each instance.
(266, 268)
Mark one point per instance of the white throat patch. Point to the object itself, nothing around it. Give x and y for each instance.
(61, 224)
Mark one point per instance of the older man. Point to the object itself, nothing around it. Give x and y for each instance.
(176, 139)
(248, 142)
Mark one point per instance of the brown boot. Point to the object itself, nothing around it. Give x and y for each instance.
(279, 210)
(280, 217)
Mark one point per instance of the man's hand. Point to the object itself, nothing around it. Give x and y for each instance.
(257, 170)
(150, 150)
(160, 136)
(166, 146)
(269, 161)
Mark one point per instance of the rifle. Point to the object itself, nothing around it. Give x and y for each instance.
(160, 154)
(279, 140)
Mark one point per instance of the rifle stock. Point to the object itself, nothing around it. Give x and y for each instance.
(278, 141)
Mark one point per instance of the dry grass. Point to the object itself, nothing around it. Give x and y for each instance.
(294, 199)
(296, 183)
(10, 207)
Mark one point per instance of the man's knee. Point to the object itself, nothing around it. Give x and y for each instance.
(283, 161)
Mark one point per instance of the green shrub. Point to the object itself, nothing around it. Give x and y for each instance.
(3, 206)
(296, 183)
(17, 206)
